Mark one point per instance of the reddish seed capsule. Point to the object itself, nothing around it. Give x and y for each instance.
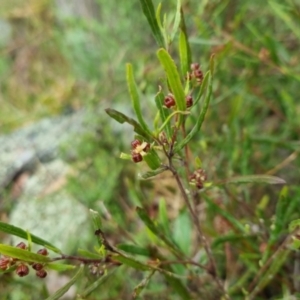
(169, 101)
(37, 266)
(41, 273)
(136, 157)
(4, 263)
(43, 251)
(21, 246)
(195, 66)
(198, 75)
(189, 100)
(135, 143)
(22, 270)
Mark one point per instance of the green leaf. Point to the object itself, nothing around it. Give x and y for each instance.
(97, 224)
(184, 46)
(139, 288)
(153, 173)
(135, 100)
(157, 231)
(164, 113)
(183, 53)
(217, 209)
(256, 179)
(230, 238)
(173, 79)
(89, 254)
(152, 160)
(149, 12)
(60, 267)
(178, 287)
(22, 254)
(277, 262)
(131, 262)
(16, 231)
(59, 293)
(203, 87)
(176, 21)
(133, 249)
(281, 12)
(200, 119)
(121, 118)
(163, 216)
(182, 231)
(293, 225)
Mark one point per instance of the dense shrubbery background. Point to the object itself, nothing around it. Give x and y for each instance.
(57, 58)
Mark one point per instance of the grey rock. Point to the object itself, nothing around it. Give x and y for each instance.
(21, 150)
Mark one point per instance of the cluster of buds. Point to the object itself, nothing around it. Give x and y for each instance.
(196, 73)
(198, 178)
(97, 269)
(22, 268)
(139, 149)
(169, 101)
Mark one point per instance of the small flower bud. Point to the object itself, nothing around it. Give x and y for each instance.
(22, 270)
(169, 101)
(198, 75)
(135, 143)
(198, 178)
(189, 100)
(4, 263)
(41, 273)
(21, 246)
(43, 251)
(136, 157)
(37, 266)
(195, 66)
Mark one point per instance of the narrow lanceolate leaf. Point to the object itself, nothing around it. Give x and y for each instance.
(152, 160)
(60, 267)
(200, 119)
(178, 287)
(183, 53)
(176, 21)
(174, 80)
(59, 293)
(138, 289)
(152, 173)
(23, 254)
(133, 249)
(149, 12)
(164, 113)
(121, 118)
(157, 231)
(184, 47)
(256, 179)
(135, 99)
(279, 259)
(203, 87)
(131, 262)
(16, 231)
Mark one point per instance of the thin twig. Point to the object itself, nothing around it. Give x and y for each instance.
(213, 268)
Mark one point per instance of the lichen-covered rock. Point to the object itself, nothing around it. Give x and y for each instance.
(48, 211)
(42, 205)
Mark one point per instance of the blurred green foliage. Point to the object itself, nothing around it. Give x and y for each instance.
(53, 58)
